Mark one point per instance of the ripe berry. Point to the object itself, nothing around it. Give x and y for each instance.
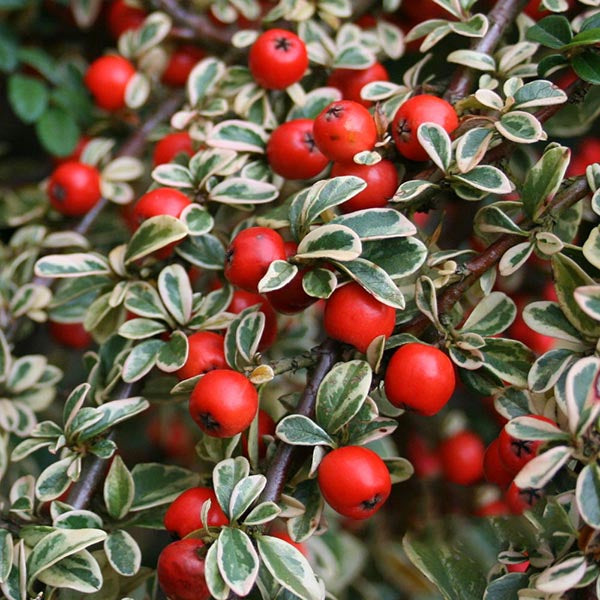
(421, 378)
(122, 17)
(381, 180)
(206, 352)
(496, 508)
(277, 59)
(171, 435)
(417, 12)
(74, 188)
(519, 500)
(249, 255)
(494, 468)
(518, 567)
(425, 461)
(354, 481)
(72, 335)
(223, 403)
(355, 317)
(514, 453)
(266, 426)
(181, 63)
(462, 457)
(519, 330)
(107, 78)
(161, 201)
(184, 514)
(351, 81)
(241, 300)
(413, 113)
(180, 570)
(344, 128)
(588, 152)
(172, 145)
(292, 152)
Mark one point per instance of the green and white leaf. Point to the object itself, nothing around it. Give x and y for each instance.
(298, 430)
(541, 469)
(335, 242)
(123, 553)
(494, 314)
(79, 264)
(119, 489)
(237, 559)
(436, 142)
(279, 274)
(244, 494)
(153, 234)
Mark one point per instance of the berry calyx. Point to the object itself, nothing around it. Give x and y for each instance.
(74, 188)
(521, 499)
(206, 352)
(107, 78)
(462, 457)
(184, 514)
(180, 570)
(172, 145)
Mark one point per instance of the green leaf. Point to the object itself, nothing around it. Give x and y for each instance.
(6, 554)
(492, 315)
(562, 576)
(226, 475)
(58, 131)
(79, 264)
(553, 32)
(5, 356)
(279, 274)
(238, 135)
(538, 93)
(298, 430)
(335, 242)
(520, 127)
(123, 553)
(244, 494)
(198, 220)
(203, 78)
(248, 334)
(79, 572)
(289, 568)
(28, 97)
(241, 190)
(588, 299)
(436, 142)
(262, 513)
(216, 584)
(141, 360)
(319, 283)
(376, 223)
(153, 234)
(173, 175)
(140, 329)
(237, 559)
(204, 251)
(508, 359)
(506, 587)
(587, 494)
(540, 470)
(174, 353)
(53, 480)
(303, 526)
(176, 292)
(547, 318)
(587, 66)
(119, 489)
(487, 179)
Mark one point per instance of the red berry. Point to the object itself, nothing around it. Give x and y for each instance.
(351, 81)
(285, 536)
(242, 299)
(413, 113)
(122, 17)
(183, 516)
(181, 63)
(519, 567)
(354, 481)
(343, 129)
(223, 403)
(266, 426)
(172, 145)
(72, 335)
(494, 468)
(161, 201)
(206, 352)
(171, 435)
(249, 255)
(107, 78)
(462, 458)
(588, 152)
(424, 11)
(421, 378)
(381, 180)
(519, 330)
(496, 508)
(519, 500)
(74, 188)
(277, 59)
(180, 570)
(425, 461)
(292, 153)
(355, 317)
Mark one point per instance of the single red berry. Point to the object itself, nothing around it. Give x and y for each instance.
(351, 81)
(266, 426)
(426, 461)
(184, 514)
(519, 500)
(72, 335)
(381, 180)
(292, 152)
(122, 17)
(74, 188)
(249, 255)
(343, 129)
(223, 403)
(107, 78)
(291, 298)
(462, 457)
(514, 453)
(277, 59)
(413, 113)
(494, 468)
(206, 352)
(285, 536)
(354, 481)
(180, 570)
(181, 63)
(355, 317)
(421, 378)
(587, 153)
(519, 567)
(75, 156)
(172, 145)
(242, 300)
(496, 508)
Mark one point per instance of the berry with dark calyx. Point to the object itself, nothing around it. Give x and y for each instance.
(494, 468)
(462, 457)
(223, 403)
(413, 113)
(343, 129)
(519, 500)
(74, 188)
(123, 17)
(184, 514)
(243, 299)
(249, 255)
(266, 426)
(181, 63)
(381, 179)
(421, 378)
(277, 59)
(354, 481)
(180, 570)
(172, 145)
(107, 78)
(206, 352)
(292, 152)
(355, 317)
(72, 335)
(351, 81)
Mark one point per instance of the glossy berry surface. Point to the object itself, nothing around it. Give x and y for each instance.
(223, 403)
(514, 453)
(184, 514)
(206, 352)
(122, 17)
(74, 188)
(381, 180)
(161, 201)
(107, 78)
(243, 299)
(292, 152)
(519, 500)
(355, 317)
(181, 63)
(493, 467)
(413, 113)
(266, 426)
(277, 59)
(351, 81)
(72, 335)
(354, 481)
(180, 570)
(172, 145)
(462, 458)
(249, 255)
(343, 129)
(421, 378)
